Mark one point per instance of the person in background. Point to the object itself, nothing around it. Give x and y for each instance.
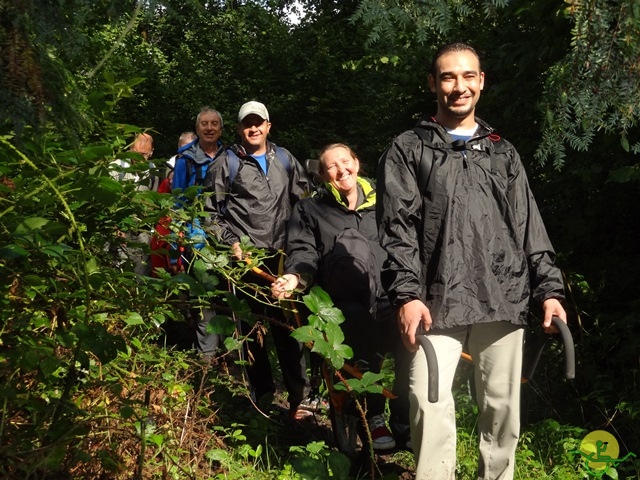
(315, 255)
(160, 258)
(147, 180)
(194, 159)
(197, 156)
(256, 201)
(143, 144)
(167, 183)
(163, 257)
(465, 257)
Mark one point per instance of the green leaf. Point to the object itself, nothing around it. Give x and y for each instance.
(156, 439)
(31, 224)
(11, 251)
(317, 299)
(336, 355)
(232, 344)
(199, 269)
(339, 464)
(625, 174)
(54, 457)
(92, 266)
(134, 81)
(97, 340)
(221, 324)
(240, 307)
(624, 141)
(106, 192)
(127, 412)
(218, 455)
(49, 364)
(56, 250)
(369, 382)
(307, 334)
(30, 360)
(310, 468)
(185, 279)
(331, 315)
(334, 334)
(91, 153)
(611, 472)
(134, 318)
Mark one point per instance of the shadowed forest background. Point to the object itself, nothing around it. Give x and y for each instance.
(78, 80)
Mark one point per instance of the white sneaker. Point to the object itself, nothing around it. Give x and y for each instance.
(380, 435)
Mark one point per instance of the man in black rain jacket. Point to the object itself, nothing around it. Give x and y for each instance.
(466, 255)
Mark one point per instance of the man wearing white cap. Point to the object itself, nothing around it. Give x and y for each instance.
(255, 185)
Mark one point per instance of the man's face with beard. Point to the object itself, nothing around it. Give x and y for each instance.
(457, 84)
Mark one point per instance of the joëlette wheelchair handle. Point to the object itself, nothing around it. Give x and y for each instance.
(569, 350)
(432, 360)
(432, 366)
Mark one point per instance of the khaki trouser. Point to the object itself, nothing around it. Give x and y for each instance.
(497, 352)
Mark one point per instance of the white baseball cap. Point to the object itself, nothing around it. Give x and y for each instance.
(255, 108)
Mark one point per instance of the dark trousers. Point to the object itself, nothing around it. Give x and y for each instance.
(289, 351)
(364, 334)
(399, 407)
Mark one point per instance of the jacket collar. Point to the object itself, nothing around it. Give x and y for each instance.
(369, 194)
(192, 150)
(430, 123)
(241, 152)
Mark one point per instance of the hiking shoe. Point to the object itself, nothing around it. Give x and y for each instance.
(313, 404)
(300, 414)
(402, 434)
(381, 437)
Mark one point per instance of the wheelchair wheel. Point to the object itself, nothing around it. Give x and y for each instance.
(343, 414)
(345, 423)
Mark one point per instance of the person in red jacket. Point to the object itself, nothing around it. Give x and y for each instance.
(159, 246)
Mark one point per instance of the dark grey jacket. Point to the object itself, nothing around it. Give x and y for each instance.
(255, 204)
(473, 247)
(317, 221)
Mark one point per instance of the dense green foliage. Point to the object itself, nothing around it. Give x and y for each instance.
(80, 369)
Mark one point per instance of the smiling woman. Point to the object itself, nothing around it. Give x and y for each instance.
(339, 166)
(332, 242)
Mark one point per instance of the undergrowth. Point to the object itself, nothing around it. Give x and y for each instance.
(88, 392)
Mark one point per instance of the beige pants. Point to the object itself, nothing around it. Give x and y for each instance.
(497, 352)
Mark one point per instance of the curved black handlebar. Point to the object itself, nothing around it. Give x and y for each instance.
(432, 367)
(432, 359)
(569, 350)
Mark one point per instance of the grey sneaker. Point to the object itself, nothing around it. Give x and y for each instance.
(381, 437)
(313, 404)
